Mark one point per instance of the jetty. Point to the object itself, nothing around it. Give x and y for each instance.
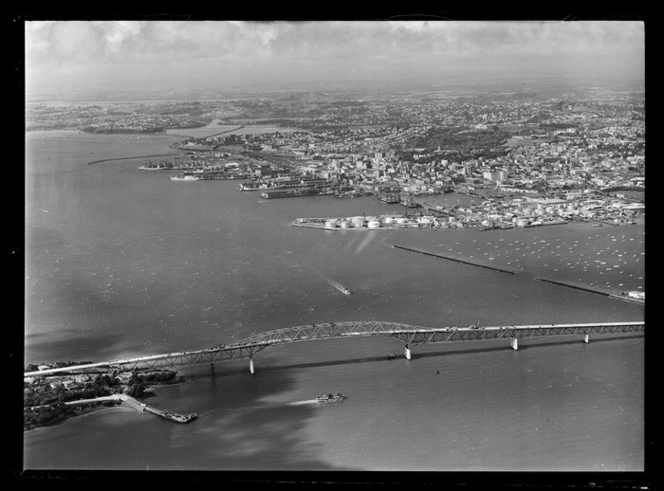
(138, 406)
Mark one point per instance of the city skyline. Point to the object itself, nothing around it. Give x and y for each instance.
(79, 56)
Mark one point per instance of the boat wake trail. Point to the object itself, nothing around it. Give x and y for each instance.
(339, 287)
(365, 242)
(302, 403)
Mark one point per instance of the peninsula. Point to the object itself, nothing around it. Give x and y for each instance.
(51, 399)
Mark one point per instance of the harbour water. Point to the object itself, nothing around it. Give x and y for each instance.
(121, 262)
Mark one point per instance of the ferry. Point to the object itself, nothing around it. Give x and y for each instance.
(330, 398)
(186, 178)
(179, 418)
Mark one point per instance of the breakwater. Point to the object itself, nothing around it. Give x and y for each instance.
(455, 259)
(227, 131)
(590, 289)
(575, 286)
(133, 157)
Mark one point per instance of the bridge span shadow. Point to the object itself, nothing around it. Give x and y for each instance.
(414, 355)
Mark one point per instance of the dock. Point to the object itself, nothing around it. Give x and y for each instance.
(455, 259)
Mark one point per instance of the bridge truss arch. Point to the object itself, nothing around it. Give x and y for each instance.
(409, 335)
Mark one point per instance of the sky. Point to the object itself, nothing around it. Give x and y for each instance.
(79, 56)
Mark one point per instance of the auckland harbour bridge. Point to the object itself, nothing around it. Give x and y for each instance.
(409, 335)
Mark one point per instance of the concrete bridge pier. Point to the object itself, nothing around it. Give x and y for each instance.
(586, 338)
(514, 343)
(407, 352)
(212, 369)
(251, 366)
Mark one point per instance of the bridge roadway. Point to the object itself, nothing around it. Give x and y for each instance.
(409, 335)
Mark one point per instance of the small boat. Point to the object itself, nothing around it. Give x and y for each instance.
(340, 287)
(330, 398)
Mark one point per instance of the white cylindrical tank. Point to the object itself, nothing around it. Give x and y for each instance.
(357, 222)
(388, 219)
(374, 224)
(344, 224)
(521, 222)
(331, 224)
(401, 220)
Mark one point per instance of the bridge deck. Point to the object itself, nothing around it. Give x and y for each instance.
(408, 334)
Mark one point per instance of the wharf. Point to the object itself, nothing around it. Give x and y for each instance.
(455, 259)
(295, 193)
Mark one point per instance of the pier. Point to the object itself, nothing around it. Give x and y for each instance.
(455, 259)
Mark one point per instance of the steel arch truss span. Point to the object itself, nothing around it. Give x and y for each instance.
(414, 335)
(408, 334)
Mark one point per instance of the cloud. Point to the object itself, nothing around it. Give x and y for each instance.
(239, 49)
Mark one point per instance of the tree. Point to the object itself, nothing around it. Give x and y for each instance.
(136, 390)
